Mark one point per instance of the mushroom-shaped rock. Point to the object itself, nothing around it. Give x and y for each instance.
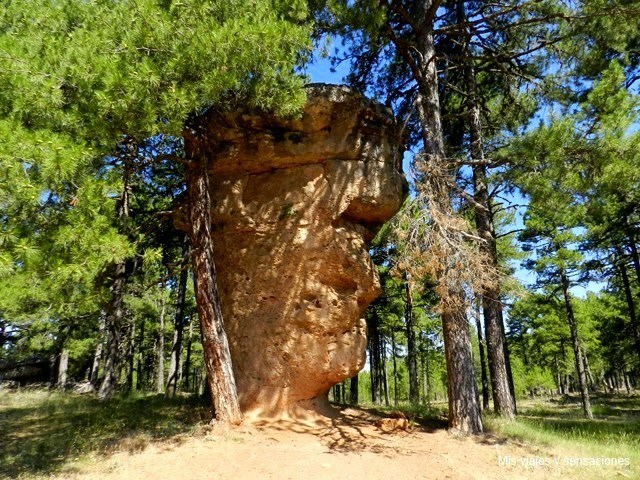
(294, 204)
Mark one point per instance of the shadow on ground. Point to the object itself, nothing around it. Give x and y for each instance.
(41, 431)
(357, 429)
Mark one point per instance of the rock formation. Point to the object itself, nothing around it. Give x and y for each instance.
(294, 203)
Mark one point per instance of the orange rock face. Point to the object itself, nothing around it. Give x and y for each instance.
(295, 203)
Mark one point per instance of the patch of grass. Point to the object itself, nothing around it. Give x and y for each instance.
(42, 431)
(559, 427)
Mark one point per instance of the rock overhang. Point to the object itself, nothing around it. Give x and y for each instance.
(294, 204)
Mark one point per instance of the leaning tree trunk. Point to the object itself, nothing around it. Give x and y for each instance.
(178, 329)
(215, 346)
(575, 340)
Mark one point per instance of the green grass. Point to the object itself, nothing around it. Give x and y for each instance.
(558, 429)
(42, 432)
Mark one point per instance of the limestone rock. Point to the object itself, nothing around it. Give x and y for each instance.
(295, 203)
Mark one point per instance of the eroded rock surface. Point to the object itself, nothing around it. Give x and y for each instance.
(294, 204)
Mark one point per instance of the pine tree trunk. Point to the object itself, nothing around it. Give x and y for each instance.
(131, 354)
(178, 329)
(380, 381)
(160, 345)
(507, 358)
(502, 400)
(97, 356)
(420, 58)
(353, 390)
(374, 355)
(425, 390)
(426, 384)
(372, 377)
(412, 360)
(592, 383)
(114, 320)
(483, 367)
(565, 384)
(395, 369)
(503, 403)
(385, 382)
(140, 363)
(63, 366)
(634, 256)
(575, 339)
(114, 323)
(633, 319)
(187, 360)
(215, 346)
(464, 411)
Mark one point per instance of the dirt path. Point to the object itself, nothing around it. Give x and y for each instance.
(350, 446)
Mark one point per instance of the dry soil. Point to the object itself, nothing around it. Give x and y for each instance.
(352, 445)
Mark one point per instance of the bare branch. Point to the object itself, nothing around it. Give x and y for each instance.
(511, 232)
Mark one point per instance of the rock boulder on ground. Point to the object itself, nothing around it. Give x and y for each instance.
(294, 205)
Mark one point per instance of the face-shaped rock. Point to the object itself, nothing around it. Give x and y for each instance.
(294, 204)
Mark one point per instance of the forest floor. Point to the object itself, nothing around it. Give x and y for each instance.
(53, 435)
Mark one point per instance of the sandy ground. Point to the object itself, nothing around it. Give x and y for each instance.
(350, 446)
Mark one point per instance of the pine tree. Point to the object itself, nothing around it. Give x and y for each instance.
(96, 73)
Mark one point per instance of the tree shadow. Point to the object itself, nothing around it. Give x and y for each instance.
(349, 429)
(42, 431)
